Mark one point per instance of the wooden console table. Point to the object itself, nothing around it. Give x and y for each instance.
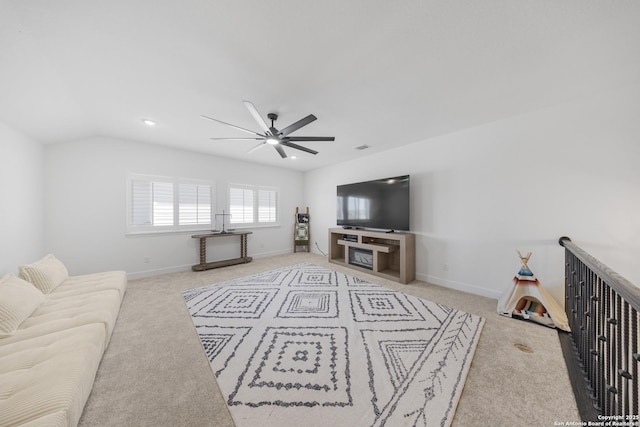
(204, 265)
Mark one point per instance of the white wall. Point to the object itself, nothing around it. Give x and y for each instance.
(86, 198)
(519, 183)
(21, 193)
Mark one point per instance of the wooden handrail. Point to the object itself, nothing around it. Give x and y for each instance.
(619, 284)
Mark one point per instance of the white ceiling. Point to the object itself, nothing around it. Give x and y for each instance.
(374, 72)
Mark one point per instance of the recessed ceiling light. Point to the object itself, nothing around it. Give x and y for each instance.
(362, 147)
(293, 157)
(148, 122)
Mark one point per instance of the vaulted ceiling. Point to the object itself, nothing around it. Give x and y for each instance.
(374, 72)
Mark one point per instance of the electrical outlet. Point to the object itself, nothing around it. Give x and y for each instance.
(147, 259)
(445, 267)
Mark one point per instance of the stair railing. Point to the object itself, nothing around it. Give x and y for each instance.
(602, 308)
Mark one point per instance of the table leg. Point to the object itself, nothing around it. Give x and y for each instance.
(243, 246)
(203, 251)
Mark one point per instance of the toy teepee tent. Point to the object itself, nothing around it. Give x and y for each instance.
(528, 300)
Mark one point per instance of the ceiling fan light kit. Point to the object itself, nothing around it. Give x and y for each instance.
(272, 136)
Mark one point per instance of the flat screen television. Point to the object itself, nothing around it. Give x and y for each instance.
(381, 204)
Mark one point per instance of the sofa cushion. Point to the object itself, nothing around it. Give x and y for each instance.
(46, 274)
(60, 314)
(79, 300)
(76, 285)
(18, 299)
(48, 374)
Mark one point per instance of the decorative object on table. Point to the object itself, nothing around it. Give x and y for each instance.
(224, 217)
(274, 137)
(307, 345)
(528, 299)
(301, 232)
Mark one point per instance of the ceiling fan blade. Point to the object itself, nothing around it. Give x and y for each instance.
(229, 124)
(311, 138)
(297, 125)
(280, 150)
(298, 147)
(237, 139)
(262, 144)
(258, 118)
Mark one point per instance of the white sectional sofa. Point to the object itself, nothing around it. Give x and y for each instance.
(54, 330)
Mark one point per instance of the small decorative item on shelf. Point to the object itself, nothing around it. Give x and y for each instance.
(225, 218)
(301, 233)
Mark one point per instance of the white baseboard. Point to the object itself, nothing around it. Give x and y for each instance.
(273, 253)
(464, 287)
(187, 267)
(158, 271)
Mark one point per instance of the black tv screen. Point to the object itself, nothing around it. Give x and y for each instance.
(380, 204)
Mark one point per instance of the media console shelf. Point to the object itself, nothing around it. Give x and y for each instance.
(388, 255)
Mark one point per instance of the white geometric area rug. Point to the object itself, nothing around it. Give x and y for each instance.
(307, 346)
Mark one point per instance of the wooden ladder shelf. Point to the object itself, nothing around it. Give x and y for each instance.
(302, 232)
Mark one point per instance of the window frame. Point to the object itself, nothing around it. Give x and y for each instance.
(133, 229)
(255, 189)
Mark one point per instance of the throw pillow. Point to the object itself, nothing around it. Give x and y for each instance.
(46, 274)
(18, 299)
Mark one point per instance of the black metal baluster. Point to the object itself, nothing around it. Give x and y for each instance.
(612, 343)
(601, 337)
(570, 293)
(592, 355)
(618, 353)
(607, 309)
(626, 376)
(595, 342)
(584, 316)
(636, 358)
(579, 282)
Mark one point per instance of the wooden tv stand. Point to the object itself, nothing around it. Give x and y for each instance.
(388, 255)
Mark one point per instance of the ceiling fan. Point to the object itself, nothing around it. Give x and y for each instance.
(273, 136)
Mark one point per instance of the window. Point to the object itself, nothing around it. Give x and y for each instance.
(164, 204)
(267, 206)
(251, 205)
(241, 205)
(194, 204)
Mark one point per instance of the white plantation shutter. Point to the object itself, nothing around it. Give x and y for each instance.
(194, 204)
(162, 204)
(267, 206)
(251, 205)
(241, 205)
(141, 202)
(151, 203)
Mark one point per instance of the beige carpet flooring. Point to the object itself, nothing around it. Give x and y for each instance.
(155, 373)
